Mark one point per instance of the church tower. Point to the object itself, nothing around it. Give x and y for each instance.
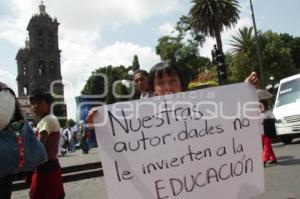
(39, 61)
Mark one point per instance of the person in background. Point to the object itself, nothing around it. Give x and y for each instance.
(83, 138)
(67, 133)
(140, 80)
(46, 181)
(269, 125)
(62, 147)
(72, 139)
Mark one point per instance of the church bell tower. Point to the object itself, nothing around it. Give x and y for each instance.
(38, 62)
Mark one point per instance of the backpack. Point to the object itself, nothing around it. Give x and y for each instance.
(20, 150)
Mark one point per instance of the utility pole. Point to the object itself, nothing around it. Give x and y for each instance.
(259, 56)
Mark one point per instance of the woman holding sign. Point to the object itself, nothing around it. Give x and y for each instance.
(165, 78)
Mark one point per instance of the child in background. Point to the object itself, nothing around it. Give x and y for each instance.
(46, 180)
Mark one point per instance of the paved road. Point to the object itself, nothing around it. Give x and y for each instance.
(282, 180)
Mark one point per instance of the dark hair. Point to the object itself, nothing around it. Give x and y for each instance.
(41, 94)
(18, 112)
(140, 71)
(265, 103)
(165, 67)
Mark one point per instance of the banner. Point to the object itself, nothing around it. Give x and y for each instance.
(191, 145)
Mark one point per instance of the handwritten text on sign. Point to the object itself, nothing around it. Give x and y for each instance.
(188, 145)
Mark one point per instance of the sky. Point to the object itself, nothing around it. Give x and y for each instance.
(97, 33)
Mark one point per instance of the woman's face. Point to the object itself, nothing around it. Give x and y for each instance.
(167, 84)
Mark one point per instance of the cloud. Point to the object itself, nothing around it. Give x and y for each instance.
(77, 69)
(166, 29)
(83, 24)
(9, 79)
(12, 26)
(91, 16)
(89, 58)
(95, 14)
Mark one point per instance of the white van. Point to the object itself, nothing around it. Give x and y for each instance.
(287, 109)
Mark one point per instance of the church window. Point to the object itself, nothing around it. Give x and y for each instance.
(50, 43)
(41, 43)
(24, 70)
(41, 68)
(52, 67)
(50, 34)
(41, 32)
(25, 90)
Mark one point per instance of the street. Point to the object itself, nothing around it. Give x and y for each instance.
(282, 180)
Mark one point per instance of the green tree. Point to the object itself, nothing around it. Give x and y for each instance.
(278, 60)
(183, 49)
(243, 42)
(243, 45)
(294, 44)
(277, 56)
(185, 54)
(295, 51)
(237, 67)
(135, 63)
(210, 17)
(96, 84)
(167, 47)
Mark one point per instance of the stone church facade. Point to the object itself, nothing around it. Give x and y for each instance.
(38, 62)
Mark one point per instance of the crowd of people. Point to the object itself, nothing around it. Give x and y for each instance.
(46, 180)
(72, 137)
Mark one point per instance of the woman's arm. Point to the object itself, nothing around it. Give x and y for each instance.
(252, 79)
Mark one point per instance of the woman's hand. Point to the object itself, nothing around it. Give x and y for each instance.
(90, 118)
(252, 79)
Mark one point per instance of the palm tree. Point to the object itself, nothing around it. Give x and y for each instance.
(211, 16)
(243, 41)
(243, 44)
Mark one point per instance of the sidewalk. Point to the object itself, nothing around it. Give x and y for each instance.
(93, 188)
(77, 158)
(75, 166)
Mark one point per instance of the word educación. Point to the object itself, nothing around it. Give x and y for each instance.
(176, 186)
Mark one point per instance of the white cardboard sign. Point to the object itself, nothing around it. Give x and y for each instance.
(197, 144)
